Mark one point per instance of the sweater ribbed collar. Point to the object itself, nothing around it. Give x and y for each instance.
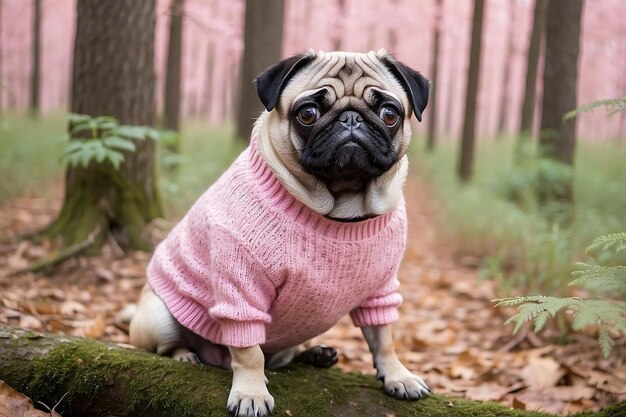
(278, 199)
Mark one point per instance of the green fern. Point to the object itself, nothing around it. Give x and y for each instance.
(615, 241)
(609, 315)
(613, 105)
(102, 138)
(610, 277)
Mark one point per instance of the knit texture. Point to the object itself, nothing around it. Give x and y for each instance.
(249, 264)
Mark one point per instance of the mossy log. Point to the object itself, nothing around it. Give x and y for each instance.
(90, 378)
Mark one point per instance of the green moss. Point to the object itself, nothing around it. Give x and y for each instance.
(94, 376)
(100, 380)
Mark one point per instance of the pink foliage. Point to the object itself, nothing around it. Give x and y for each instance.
(213, 32)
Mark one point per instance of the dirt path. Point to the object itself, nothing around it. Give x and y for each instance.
(448, 331)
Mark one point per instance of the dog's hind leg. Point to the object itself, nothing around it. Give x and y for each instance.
(155, 329)
(280, 359)
(320, 356)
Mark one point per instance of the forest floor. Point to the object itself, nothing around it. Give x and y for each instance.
(448, 332)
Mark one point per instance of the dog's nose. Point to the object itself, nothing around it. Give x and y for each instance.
(350, 119)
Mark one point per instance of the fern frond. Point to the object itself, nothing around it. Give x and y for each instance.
(538, 308)
(610, 276)
(541, 320)
(584, 317)
(613, 105)
(605, 340)
(513, 301)
(617, 240)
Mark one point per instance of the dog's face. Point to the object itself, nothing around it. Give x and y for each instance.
(337, 129)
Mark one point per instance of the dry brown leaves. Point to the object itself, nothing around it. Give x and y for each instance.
(451, 335)
(448, 332)
(14, 404)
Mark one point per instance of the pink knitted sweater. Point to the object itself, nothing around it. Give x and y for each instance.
(249, 264)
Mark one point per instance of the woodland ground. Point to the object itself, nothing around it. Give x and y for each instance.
(448, 332)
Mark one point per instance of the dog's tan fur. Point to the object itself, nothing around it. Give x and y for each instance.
(351, 78)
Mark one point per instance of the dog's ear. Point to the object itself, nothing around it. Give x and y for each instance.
(413, 83)
(273, 80)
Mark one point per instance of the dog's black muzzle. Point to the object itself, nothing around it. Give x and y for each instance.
(348, 152)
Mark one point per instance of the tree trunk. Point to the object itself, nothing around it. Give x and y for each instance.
(208, 84)
(262, 48)
(532, 65)
(450, 99)
(466, 158)
(1, 64)
(171, 97)
(340, 22)
(506, 74)
(560, 78)
(35, 76)
(87, 377)
(434, 71)
(113, 75)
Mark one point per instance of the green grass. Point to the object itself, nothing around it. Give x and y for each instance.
(516, 245)
(205, 153)
(29, 153)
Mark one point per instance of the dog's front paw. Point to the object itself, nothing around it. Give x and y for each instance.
(247, 404)
(402, 384)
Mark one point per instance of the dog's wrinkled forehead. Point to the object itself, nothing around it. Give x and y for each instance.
(343, 74)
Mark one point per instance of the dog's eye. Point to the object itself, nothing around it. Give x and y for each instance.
(389, 116)
(308, 115)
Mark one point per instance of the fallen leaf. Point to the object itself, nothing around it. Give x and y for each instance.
(542, 373)
(69, 308)
(95, 329)
(571, 393)
(105, 274)
(518, 405)
(540, 401)
(38, 307)
(29, 322)
(486, 392)
(15, 404)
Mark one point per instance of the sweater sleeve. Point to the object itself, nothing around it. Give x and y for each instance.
(381, 307)
(243, 293)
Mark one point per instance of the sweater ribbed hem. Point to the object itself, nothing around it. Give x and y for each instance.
(278, 198)
(241, 334)
(193, 315)
(376, 316)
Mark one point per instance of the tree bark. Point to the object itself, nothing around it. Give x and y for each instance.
(532, 65)
(113, 75)
(466, 158)
(503, 109)
(434, 71)
(340, 22)
(1, 65)
(208, 84)
(557, 140)
(450, 99)
(171, 97)
(87, 377)
(35, 76)
(262, 48)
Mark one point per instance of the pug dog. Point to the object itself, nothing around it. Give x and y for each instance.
(306, 226)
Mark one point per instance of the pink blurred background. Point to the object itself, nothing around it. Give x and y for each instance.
(212, 48)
